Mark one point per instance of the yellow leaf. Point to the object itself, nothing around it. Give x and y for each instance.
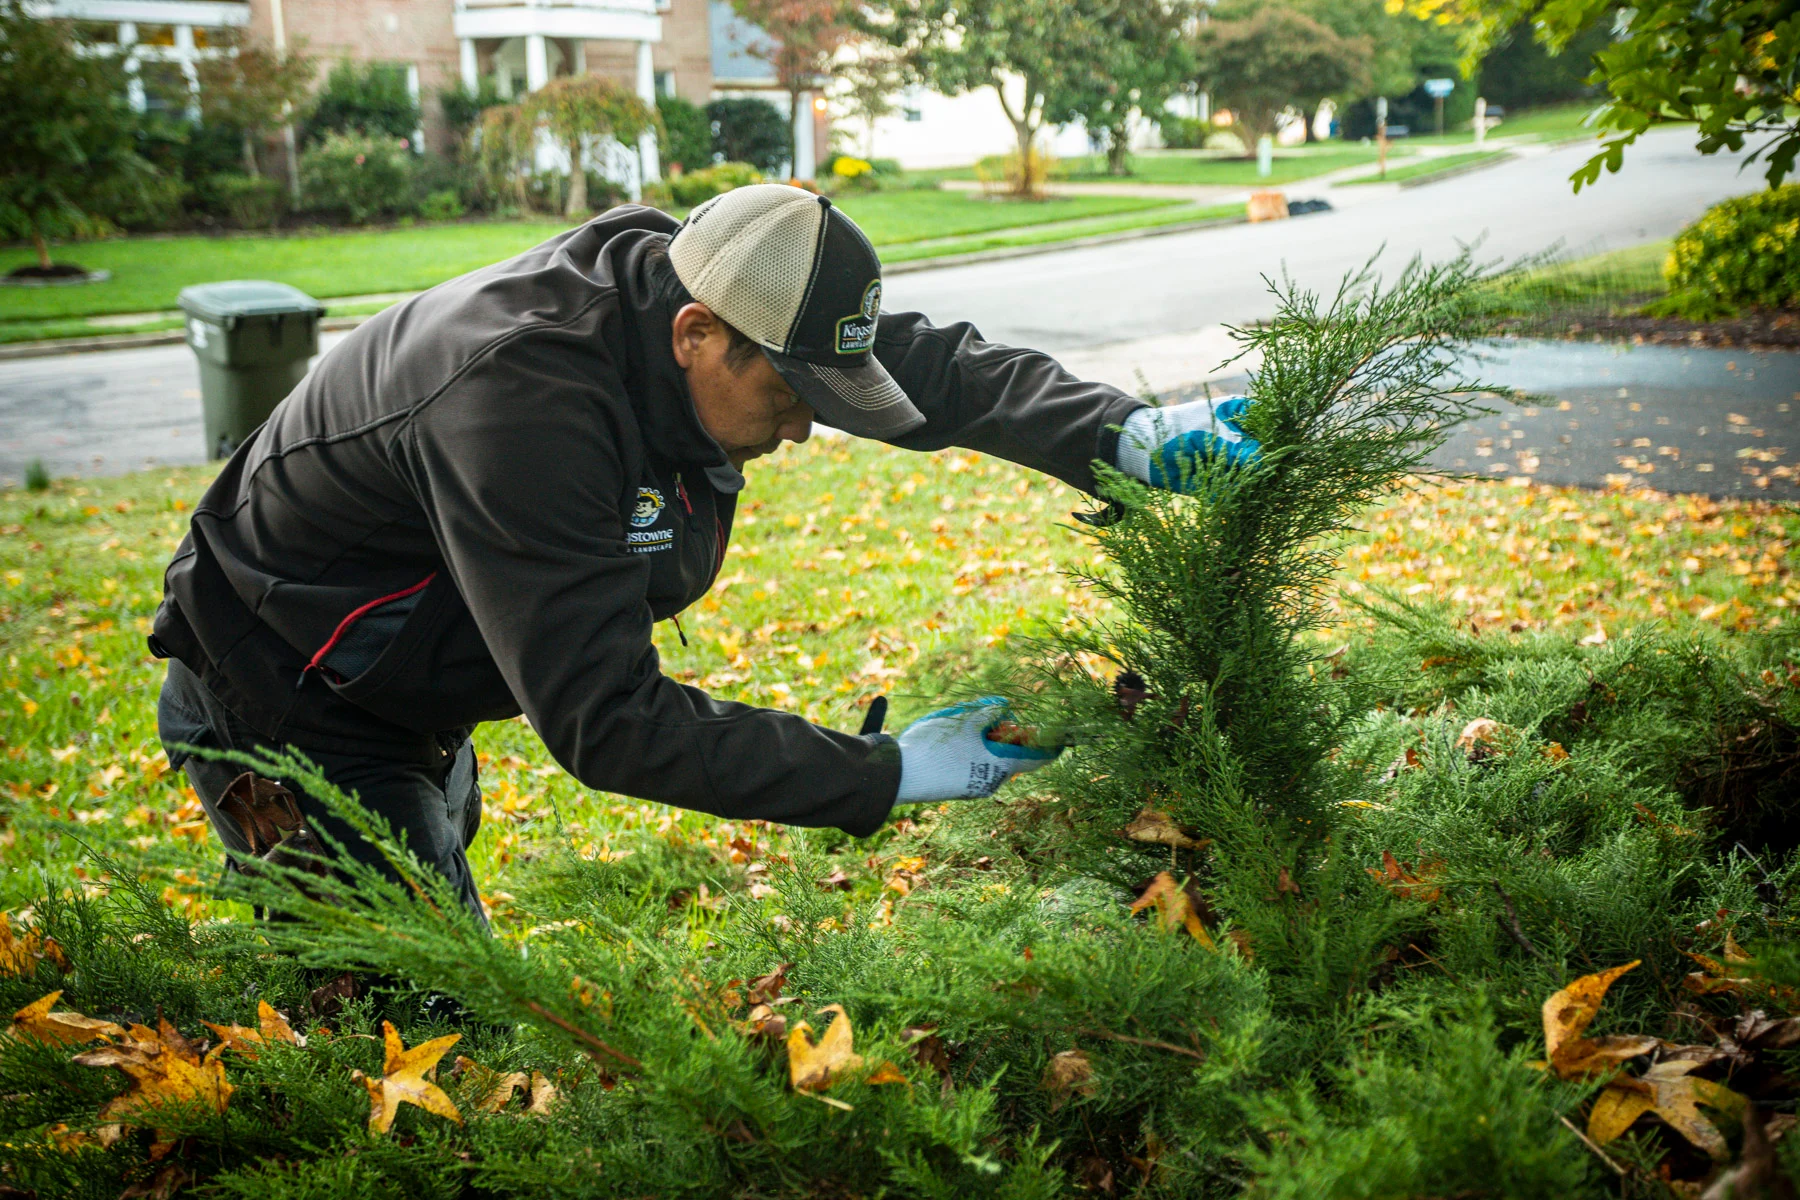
(1567, 1015)
(811, 1068)
(20, 955)
(887, 1072)
(275, 1027)
(403, 1080)
(1154, 825)
(544, 1095)
(492, 1089)
(1173, 907)
(164, 1068)
(1671, 1093)
(62, 1028)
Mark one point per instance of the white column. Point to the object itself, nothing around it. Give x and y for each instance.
(537, 62)
(184, 49)
(412, 92)
(471, 66)
(807, 167)
(134, 83)
(649, 165)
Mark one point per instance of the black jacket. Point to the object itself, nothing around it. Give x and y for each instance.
(480, 501)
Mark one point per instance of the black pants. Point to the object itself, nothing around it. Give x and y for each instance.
(436, 808)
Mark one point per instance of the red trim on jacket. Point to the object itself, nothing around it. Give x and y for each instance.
(357, 613)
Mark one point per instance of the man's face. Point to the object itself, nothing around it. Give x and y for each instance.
(749, 409)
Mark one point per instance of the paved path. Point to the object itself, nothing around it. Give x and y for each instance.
(1154, 306)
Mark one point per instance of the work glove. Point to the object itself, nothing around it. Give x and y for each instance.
(1158, 445)
(948, 755)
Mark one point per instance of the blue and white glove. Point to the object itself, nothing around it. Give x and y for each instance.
(947, 755)
(1157, 444)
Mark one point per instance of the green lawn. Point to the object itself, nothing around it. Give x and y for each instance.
(148, 272)
(1206, 167)
(1550, 123)
(1422, 168)
(1614, 282)
(1037, 235)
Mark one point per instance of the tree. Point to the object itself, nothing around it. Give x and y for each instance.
(801, 41)
(370, 98)
(687, 134)
(1138, 62)
(1404, 48)
(67, 142)
(955, 46)
(252, 88)
(749, 131)
(579, 110)
(1271, 58)
(869, 80)
(1732, 68)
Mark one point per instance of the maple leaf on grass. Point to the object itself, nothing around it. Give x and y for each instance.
(403, 1080)
(1567, 1015)
(63, 1028)
(813, 1067)
(1671, 1093)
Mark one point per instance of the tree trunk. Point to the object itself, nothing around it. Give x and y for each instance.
(578, 198)
(1026, 132)
(1118, 149)
(43, 248)
(250, 157)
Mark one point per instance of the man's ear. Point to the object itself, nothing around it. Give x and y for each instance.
(693, 324)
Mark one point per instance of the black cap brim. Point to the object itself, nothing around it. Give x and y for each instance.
(862, 400)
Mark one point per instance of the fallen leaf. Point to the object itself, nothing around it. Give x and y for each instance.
(21, 954)
(403, 1080)
(1758, 1174)
(1174, 906)
(544, 1095)
(275, 1027)
(1284, 882)
(491, 1089)
(61, 1028)
(1567, 1015)
(1154, 825)
(272, 1027)
(1405, 882)
(164, 1067)
(837, 879)
(164, 1184)
(1068, 1073)
(812, 1067)
(1480, 738)
(1668, 1091)
(887, 1072)
(766, 989)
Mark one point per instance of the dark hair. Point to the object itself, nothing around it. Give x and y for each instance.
(667, 287)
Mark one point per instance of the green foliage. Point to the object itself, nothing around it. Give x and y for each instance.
(1741, 253)
(1183, 133)
(442, 205)
(581, 110)
(1257, 61)
(67, 145)
(1732, 68)
(687, 140)
(359, 176)
(367, 99)
(251, 201)
(750, 131)
(692, 187)
(1138, 58)
(37, 477)
(463, 108)
(1520, 72)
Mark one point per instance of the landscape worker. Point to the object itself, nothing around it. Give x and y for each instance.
(479, 503)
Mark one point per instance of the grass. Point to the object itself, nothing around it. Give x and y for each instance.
(149, 272)
(1550, 123)
(1038, 235)
(1426, 168)
(1616, 283)
(856, 569)
(1209, 167)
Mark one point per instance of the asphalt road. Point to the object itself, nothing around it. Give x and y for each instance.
(1105, 306)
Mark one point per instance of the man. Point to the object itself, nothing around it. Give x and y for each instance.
(478, 504)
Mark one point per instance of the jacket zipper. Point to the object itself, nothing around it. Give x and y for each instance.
(356, 614)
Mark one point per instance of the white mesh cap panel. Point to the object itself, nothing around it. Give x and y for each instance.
(748, 256)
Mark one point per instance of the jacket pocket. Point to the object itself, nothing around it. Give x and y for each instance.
(416, 658)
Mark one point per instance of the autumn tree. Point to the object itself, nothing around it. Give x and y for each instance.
(1732, 69)
(869, 81)
(1138, 60)
(67, 144)
(1259, 61)
(800, 43)
(253, 88)
(578, 111)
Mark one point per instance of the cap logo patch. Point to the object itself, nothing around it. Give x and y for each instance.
(856, 332)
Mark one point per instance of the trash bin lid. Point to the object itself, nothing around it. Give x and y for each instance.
(222, 302)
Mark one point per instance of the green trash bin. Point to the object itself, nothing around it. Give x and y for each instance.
(254, 340)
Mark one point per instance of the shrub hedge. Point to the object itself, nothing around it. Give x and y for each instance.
(1742, 253)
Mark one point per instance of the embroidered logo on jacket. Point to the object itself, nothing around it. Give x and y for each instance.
(649, 510)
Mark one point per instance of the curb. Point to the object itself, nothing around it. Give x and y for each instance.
(171, 337)
(1505, 156)
(133, 341)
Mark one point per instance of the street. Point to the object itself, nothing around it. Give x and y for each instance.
(1153, 306)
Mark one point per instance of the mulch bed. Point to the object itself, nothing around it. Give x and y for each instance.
(1754, 330)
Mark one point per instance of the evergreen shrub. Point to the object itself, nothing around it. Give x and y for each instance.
(357, 176)
(363, 98)
(750, 131)
(250, 201)
(1183, 133)
(687, 139)
(1741, 253)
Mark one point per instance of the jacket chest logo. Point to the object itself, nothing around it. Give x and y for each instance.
(647, 512)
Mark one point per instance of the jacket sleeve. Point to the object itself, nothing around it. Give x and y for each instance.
(519, 470)
(1016, 404)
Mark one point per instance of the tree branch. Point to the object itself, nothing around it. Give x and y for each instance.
(595, 1046)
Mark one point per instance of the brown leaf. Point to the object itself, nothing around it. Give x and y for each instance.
(1480, 739)
(837, 879)
(1567, 1015)
(61, 1028)
(765, 989)
(1285, 883)
(21, 954)
(544, 1096)
(328, 1001)
(491, 1089)
(1154, 825)
(812, 1067)
(163, 1067)
(1407, 884)
(1668, 1091)
(1758, 1174)
(887, 1072)
(1174, 907)
(403, 1080)
(1068, 1073)
(928, 1049)
(164, 1184)
(765, 1022)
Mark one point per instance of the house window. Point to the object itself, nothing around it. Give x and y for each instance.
(156, 35)
(665, 83)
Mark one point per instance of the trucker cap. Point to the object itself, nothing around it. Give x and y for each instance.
(797, 277)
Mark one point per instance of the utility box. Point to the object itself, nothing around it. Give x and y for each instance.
(254, 340)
